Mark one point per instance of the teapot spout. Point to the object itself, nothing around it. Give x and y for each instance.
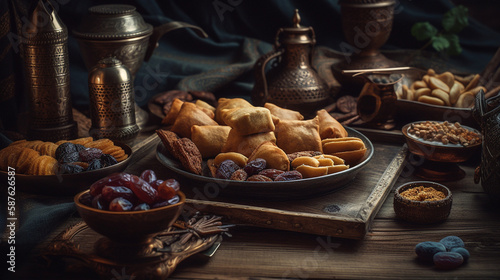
(159, 31)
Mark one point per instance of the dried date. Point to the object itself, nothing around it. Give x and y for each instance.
(271, 173)
(259, 178)
(239, 175)
(289, 176)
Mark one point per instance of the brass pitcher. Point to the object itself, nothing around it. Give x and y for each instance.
(116, 30)
(292, 82)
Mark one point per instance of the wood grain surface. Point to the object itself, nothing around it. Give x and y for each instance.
(385, 252)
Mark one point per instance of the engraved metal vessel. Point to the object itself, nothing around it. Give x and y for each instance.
(46, 65)
(366, 25)
(292, 82)
(117, 30)
(112, 109)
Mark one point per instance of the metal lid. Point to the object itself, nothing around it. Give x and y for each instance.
(113, 21)
(109, 70)
(50, 31)
(366, 3)
(297, 34)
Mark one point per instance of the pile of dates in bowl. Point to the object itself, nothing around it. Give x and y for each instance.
(130, 208)
(127, 192)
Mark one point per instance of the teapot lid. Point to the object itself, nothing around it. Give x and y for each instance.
(113, 21)
(297, 34)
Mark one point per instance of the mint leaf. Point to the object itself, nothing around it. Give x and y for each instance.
(440, 43)
(455, 19)
(454, 48)
(423, 31)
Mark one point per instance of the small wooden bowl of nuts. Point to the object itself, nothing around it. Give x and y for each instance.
(442, 141)
(422, 202)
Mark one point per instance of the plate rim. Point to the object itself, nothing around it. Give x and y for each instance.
(262, 186)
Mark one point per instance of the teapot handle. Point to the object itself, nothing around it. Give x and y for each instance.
(261, 93)
(159, 31)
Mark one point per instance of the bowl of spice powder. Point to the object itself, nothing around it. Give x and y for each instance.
(422, 202)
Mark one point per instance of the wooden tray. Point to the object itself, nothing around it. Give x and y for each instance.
(346, 213)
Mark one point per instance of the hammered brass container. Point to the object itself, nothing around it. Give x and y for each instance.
(292, 82)
(487, 113)
(117, 30)
(46, 65)
(112, 109)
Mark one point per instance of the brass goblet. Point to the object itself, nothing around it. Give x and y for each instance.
(367, 25)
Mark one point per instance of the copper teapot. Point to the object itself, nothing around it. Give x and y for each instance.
(119, 31)
(292, 82)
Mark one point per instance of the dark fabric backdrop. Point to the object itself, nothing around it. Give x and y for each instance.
(239, 32)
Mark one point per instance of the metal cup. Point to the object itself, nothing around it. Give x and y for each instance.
(112, 105)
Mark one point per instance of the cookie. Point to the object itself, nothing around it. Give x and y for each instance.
(101, 144)
(189, 155)
(168, 138)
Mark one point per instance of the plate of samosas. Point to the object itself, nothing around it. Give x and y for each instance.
(62, 168)
(261, 152)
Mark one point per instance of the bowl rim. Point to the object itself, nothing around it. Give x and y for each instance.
(76, 199)
(408, 137)
(397, 192)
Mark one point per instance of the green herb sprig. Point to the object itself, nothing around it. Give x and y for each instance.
(445, 40)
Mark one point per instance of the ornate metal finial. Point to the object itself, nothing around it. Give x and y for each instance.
(296, 19)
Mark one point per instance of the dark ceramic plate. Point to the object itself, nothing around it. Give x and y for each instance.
(437, 151)
(270, 190)
(410, 111)
(66, 184)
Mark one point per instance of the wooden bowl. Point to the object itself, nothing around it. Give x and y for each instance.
(436, 151)
(130, 226)
(422, 212)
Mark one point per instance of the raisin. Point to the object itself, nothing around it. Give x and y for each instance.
(156, 183)
(109, 193)
(451, 242)
(70, 157)
(239, 175)
(174, 200)
(65, 148)
(141, 189)
(447, 260)
(86, 199)
(462, 251)
(94, 164)
(142, 207)
(68, 168)
(120, 204)
(255, 166)
(427, 249)
(89, 154)
(148, 175)
(271, 173)
(226, 169)
(289, 176)
(167, 189)
(108, 160)
(99, 203)
(259, 178)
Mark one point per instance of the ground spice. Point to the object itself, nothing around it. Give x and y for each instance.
(422, 193)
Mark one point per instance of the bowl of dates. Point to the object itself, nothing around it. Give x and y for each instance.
(129, 208)
(74, 169)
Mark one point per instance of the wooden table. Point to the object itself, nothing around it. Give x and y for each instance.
(387, 251)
